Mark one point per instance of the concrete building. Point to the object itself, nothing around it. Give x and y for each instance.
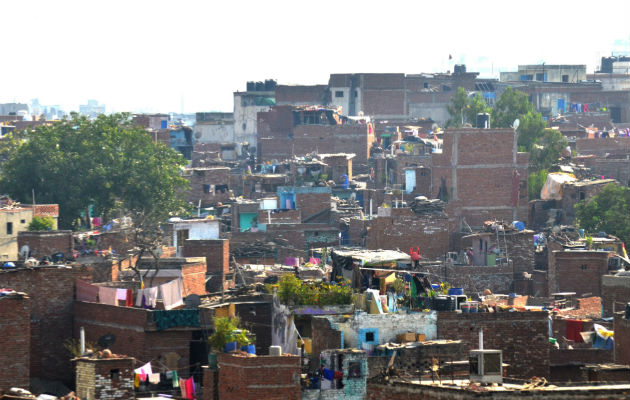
(214, 127)
(92, 109)
(546, 73)
(259, 97)
(15, 218)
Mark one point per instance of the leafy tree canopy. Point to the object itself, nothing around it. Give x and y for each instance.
(547, 148)
(513, 105)
(108, 163)
(464, 109)
(608, 211)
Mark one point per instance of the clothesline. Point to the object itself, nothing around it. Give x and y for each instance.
(170, 293)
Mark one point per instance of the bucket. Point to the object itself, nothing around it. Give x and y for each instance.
(232, 346)
(212, 360)
(474, 306)
(250, 349)
(435, 286)
(466, 307)
(456, 291)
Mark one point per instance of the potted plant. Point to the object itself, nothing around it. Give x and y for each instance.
(223, 338)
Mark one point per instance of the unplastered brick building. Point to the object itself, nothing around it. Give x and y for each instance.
(105, 378)
(15, 340)
(523, 337)
(262, 377)
(482, 176)
(287, 131)
(51, 292)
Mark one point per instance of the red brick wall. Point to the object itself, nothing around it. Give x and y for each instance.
(615, 289)
(275, 128)
(310, 204)
(523, 337)
(211, 176)
(324, 337)
(622, 339)
(15, 337)
(194, 278)
(430, 233)
(217, 254)
(478, 197)
(263, 377)
(51, 290)
(580, 356)
(579, 271)
(601, 146)
(133, 332)
(45, 243)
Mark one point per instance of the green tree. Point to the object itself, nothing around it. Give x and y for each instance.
(464, 108)
(608, 211)
(107, 163)
(41, 223)
(547, 148)
(513, 105)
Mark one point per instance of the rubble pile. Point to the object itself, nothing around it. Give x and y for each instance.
(422, 205)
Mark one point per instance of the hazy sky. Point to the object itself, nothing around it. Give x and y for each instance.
(155, 55)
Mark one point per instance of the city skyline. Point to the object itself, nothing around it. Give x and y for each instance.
(161, 57)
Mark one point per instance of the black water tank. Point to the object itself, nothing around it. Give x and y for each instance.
(251, 86)
(260, 86)
(483, 120)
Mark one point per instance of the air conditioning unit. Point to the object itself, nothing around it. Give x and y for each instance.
(486, 366)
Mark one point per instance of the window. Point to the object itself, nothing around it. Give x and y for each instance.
(369, 336)
(354, 369)
(582, 196)
(426, 85)
(22, 221)
(565, 78)
(114, 374)
(338, 93)
(356, 93)
(540, 77)
(244, 125)
(583, 267)
(9, 228)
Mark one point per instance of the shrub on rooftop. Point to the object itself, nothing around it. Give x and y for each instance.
(293, 291)
(41, 223)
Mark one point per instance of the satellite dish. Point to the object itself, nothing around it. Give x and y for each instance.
(25, 251)
(516, 123)
(192, 301)
(106, 341)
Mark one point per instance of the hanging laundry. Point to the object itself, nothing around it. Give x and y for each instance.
(145, 369)
(154, 378)
(129, 300)
(107, 295)
(328, 374)
(190, 388)
(121, 294)
(182, 387)
(172, 294)
(86, 291)
(574, 328)
(136, 380)
(147, 297)
(175, 380)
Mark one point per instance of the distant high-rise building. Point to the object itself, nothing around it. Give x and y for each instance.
(92, 108)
